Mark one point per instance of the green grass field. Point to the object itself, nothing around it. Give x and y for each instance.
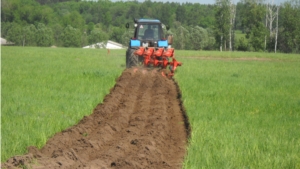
(45, 90)
(243, 107)
(243, 113)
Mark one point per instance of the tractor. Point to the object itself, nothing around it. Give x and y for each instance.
(149, 46)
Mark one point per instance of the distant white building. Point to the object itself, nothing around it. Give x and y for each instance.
(5, 42)
(106, 45)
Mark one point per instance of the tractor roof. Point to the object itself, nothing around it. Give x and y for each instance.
(147, 20)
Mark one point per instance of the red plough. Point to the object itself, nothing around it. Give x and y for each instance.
(159, 57)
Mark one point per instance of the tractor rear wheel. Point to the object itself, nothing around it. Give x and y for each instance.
(131, 58)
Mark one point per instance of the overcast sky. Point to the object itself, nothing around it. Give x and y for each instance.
(199, 1)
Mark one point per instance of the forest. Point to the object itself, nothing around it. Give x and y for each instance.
(249, 25)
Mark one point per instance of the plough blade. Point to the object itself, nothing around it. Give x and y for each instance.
(159, 57)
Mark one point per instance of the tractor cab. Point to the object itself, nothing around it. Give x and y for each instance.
(148, 33)
(149, 47)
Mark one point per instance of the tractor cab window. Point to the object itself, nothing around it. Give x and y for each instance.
(149, 32)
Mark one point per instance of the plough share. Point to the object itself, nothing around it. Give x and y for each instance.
(158, 57)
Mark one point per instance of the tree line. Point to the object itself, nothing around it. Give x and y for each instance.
(262, 25)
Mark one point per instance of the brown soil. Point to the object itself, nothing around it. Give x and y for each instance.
(140, 124)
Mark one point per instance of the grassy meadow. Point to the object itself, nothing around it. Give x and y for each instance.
(244, 108)
(45, 90)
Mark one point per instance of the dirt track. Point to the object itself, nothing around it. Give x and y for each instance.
(140, 124)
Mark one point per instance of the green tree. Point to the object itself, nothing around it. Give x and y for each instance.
(167, 16)
(15, 34)
(71, 37)
(181, 14)
(84, 39)
(29, 35)
(74, 19)
(27, 13)
(198, 38)
(107, 18)
(240, 7)
(118, 14)
(90, 27)
(44, 15)
(111, 16)
(126, 36)
(9, 11)
(180, 36)
(20, 35)
(290, 31)
(143, 8)
(57, 33)
(133, 11)
(222, 24)
(211, 40)
(242, 44)
(116, 34)
(5, 27)
(97, 35)
(44, 35)
(253, 24)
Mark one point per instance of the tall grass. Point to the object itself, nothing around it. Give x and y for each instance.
(233, 55)
(243, 113)
(45, 90)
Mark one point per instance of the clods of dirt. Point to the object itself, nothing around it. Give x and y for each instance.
(140, 124)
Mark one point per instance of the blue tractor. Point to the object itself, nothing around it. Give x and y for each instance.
(150, 47)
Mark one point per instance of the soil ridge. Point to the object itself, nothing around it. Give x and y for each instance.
(140, 124)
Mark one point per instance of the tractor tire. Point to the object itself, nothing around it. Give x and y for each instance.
(131, 58)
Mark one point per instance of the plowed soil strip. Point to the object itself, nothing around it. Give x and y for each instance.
(140, 124)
